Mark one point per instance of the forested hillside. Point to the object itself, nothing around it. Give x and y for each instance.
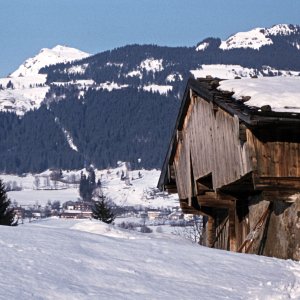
(106, 127)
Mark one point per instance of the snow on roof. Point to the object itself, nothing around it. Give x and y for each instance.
(281, 93)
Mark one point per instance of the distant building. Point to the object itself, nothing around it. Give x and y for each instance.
(77, 210)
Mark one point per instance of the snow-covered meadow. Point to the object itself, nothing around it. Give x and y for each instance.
(86, 259)
(71, 259)
(140, 189)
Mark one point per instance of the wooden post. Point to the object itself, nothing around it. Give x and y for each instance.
(232, 234)
(210, 232)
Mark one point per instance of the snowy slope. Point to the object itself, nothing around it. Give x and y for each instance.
(28, 87)
(232, 71)
(68, 259)
(281, 93)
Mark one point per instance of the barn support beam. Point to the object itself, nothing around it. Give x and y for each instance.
(210, 232)
(266, 183)
(217, 201)
(232, 232)
(195, 209)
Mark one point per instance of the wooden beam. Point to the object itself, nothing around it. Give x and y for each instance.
(171, 188)
(201, 188)
(276, 183)
(186, 209)
(211, 199)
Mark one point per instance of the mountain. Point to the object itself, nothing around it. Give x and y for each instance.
(121, 104)
(47, 57)
(259, 37)
(261, 52)
(25, 88)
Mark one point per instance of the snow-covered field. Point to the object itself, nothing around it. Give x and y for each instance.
(87, 259)
(68, 259)
(139, 190)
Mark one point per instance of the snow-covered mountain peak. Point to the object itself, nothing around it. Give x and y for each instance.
(46, 57)
(282, 29)
(25, 89)
(202, 46)
(254, 39)
(258, 37)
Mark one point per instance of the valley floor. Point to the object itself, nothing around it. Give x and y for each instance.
(71, 259)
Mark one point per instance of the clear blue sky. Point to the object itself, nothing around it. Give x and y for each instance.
(26, 26)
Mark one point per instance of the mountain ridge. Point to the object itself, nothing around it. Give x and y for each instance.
(120, 104)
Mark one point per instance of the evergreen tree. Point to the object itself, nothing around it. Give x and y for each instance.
(87, 185)
(91, 179)
(102, 211)
(7, 214)
(84, 187)
(9, 85)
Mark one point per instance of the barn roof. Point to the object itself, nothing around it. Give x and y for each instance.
(252, 116)
(281, 93)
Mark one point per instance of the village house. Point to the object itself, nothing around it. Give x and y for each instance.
(238, 165)
(153, 215)
(76, 210)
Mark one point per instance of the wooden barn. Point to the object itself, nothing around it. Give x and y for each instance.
(239, 167)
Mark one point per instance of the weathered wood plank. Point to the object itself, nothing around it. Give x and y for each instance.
(277, 183)
(216, 200)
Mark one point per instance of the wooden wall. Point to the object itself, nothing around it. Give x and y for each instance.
(274, 159)
(209, 144)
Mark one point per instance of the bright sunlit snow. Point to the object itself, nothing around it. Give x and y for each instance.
(135, 73)
(280, 29)
(202, 46)
(223, 71)
(112, 86)
(251, 39)
(173, 77)
(140, 189)
(162, 89)
(256, 38)
(71, 259)
(28, 88)
(152, 65)
(46, 57)
(232, 71)
(27, 93)
(281, 93)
